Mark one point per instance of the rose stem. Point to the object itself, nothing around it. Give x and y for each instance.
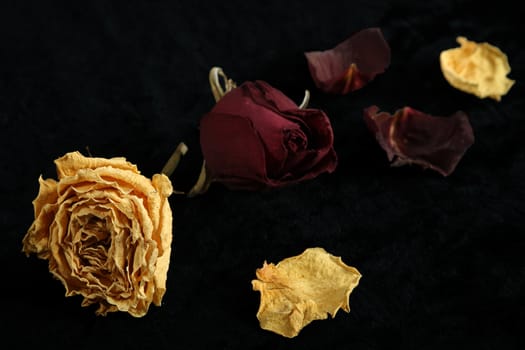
(216, 87)
(306, 100)
(214, 77)
(174, 160)
(203, 182)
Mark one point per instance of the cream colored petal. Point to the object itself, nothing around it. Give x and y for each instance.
(143, 227)
(36, 239)
(477, 68)
(45, 206)
(47, 194)
(72, 162)
(164, 235)
(301, 289)
(88, 180)
(127, 182)
(162, 184)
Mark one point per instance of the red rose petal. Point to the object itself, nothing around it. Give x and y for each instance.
(410, 136)
(319, 156)
(243, 156)
(351, 64)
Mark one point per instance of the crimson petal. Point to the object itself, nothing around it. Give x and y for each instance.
(410, 136)
(351, 64)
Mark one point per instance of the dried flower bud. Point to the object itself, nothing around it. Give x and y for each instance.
(256, 138)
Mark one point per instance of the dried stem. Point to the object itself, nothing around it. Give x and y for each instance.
(219, 89)
(216, 73)
(220, 85)
(306, 100)
(203, 182)
(174, 160)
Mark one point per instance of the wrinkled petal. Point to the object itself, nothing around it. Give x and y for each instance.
(477, 68)
(410, 136)
(301, 289)
(320, 155)
(351, 64)
(233, 150)
(71, 162)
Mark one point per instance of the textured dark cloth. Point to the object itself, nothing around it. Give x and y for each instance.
(442, 258)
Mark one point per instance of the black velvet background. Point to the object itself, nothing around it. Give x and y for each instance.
(442, 258)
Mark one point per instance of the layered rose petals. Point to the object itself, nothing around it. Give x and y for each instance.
(351, 64)
(106, 232)
(255, 137)
(410, 136)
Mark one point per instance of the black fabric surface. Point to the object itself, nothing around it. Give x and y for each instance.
(442, 258)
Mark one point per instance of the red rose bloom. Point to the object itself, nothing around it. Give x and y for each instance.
(255, 137)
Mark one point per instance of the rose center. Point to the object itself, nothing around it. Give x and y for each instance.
(94, 231)
(295, 140)
(94, 240)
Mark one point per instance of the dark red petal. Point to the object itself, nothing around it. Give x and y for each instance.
(233, 151)
(264, 93)
(351, 64)
(311, 151)
(319, 156)
(379, 123)
(248, 101)
(411, 136)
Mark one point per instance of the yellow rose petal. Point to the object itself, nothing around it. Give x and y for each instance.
(71, 162)
(477, 68)
(301, 289)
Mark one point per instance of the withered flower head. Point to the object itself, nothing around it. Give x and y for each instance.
(351, 64)
(477, 68)
(410, 136)
(302, 289)
(256, 138)
(105, 230)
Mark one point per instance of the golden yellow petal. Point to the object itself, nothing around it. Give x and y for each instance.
(123, 180)
(477, 68)
(47, 194)
(162, 184)
(301, 289)
(72, 162)
(36, 239)
(44, 207)
(163, 238)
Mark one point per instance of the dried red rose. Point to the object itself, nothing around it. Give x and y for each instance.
(255, 137)
(351, 64)
(410, 136)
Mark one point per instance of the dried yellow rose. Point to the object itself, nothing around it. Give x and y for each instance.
(106, 232)
(301, 289)
(477, 68)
